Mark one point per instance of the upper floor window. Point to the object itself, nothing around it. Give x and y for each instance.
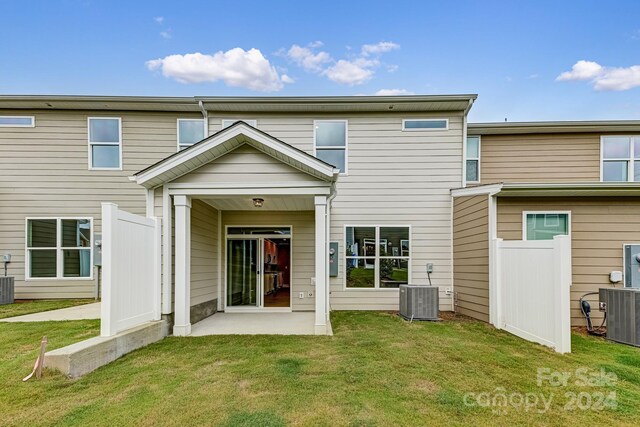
(228, 122)
(620, 158)
(59, 248)
(330, 142)
(190, 131)
(17, 121)
(545, 225)
(472, 162)
(425, 124)
(105, 143)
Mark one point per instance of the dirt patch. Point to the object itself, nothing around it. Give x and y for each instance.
(426, 386)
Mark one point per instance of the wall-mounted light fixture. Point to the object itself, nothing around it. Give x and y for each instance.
(257, 202)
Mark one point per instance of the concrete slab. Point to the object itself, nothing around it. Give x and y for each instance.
(85, 356)
(79, 312)
(295, 323)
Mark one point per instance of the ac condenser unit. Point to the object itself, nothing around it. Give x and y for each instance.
(419, 302)
(623, 314)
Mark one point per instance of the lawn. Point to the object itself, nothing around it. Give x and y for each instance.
(21, 307)
(377, 370)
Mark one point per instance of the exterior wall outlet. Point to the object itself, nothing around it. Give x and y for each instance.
(448, 291)
(301, 295)
(429, 267)
(310, 294)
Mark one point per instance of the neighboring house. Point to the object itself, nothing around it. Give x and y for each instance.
(532, 181)
(369, 177)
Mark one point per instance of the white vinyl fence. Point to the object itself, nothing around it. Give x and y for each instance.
(530, 290)
(130, 270)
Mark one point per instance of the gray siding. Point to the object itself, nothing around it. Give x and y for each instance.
(204, 252)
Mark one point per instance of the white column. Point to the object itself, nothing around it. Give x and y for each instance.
(182, 320)
(321, 264)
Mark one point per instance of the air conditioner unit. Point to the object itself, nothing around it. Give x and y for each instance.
(419, 302)
(623, 314)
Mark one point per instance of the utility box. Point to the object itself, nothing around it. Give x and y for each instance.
(97, 253)
(6, 290)
(632, 266)
(623, 314)
(419, 302)
(333, 259)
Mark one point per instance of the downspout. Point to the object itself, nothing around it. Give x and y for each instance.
(205, 116)
(464, 143)
(332, 195)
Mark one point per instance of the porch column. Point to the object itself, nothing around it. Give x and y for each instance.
(321, 264)
(182, 320)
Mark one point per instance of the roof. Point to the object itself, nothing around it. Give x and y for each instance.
(315, 104)
(510, 128)
(569, 189)
(225, 141)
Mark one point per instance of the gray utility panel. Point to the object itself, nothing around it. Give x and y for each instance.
(632, 266)
(6, 290)
(97, 252)
(333, 259)
(623, 314)
(419, 302)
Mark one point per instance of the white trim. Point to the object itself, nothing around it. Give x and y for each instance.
(92, 143)
(252, 191)
(524, 220)
(204, 131)
(631, 160)
(167, 220)
(377, 257)
(58, 248)
(32, 125)
(247, 121)
(220, 272)
(344, 172)
(405, 129)
(493, 254)
(466, 158)
(476, 191)
(150, 202)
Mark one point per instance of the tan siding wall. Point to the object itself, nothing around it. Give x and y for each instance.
(599, 227)
(302, 250)
(44, 172)
(204, 252)
(540, 158)
(471, 255)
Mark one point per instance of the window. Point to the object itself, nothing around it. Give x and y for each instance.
(330, 142)
(425, 124)
(377, 257)
(228, 122)
(190, 131)
(59, 248)
(17, 121)
(105, 141)
(545, 225)
(472, 162)
(620, 158)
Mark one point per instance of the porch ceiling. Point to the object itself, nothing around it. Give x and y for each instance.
(275, 203)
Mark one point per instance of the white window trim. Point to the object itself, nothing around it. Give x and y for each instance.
(58, 248)
(630, 160)
(32, 125)
(204, 127)
(405, 129)
(524, 220)
(247, 121)
(90, 143)
(377, 257)
(344, 172)
(466, 151)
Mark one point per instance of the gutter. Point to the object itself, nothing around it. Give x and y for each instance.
(205, 116)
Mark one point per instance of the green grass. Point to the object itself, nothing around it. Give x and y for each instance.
(21, 307)
(377, 370)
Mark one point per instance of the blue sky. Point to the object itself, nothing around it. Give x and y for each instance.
(511, 53)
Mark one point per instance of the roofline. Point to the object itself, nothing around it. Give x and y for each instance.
(548, 189)
(587, 126)
(355, 99)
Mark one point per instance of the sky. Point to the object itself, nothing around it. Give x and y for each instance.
(526, 60)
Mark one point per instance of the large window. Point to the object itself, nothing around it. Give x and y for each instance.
(620, 158)
(472, 162)
(190, 131)
(545, 225)
(330, 142)
(105, 143)
(59, 248)
(425, 124)
(377, 257)
(17, 121)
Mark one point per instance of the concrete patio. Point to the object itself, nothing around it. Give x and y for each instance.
(296, 323)
(79, 312)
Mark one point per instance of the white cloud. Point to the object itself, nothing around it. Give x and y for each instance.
(166, 34)
(235, 67)
(307, 59)
(351, 72)
(393, 92)
(533, 76)
(159, 19)
(286, 79)
(603, 78)
(316, 44)
(378, 48)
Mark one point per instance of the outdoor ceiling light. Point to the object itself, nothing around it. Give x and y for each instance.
(257, 203)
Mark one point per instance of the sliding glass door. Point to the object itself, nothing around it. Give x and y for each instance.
(243, 271)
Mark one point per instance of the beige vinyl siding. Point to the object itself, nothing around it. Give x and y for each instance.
(599, 228)
(44, 172)
(302, 247)
(471, 255)
(540, 158)
(204, 252)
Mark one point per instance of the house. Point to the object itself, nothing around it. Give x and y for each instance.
(278, 204)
